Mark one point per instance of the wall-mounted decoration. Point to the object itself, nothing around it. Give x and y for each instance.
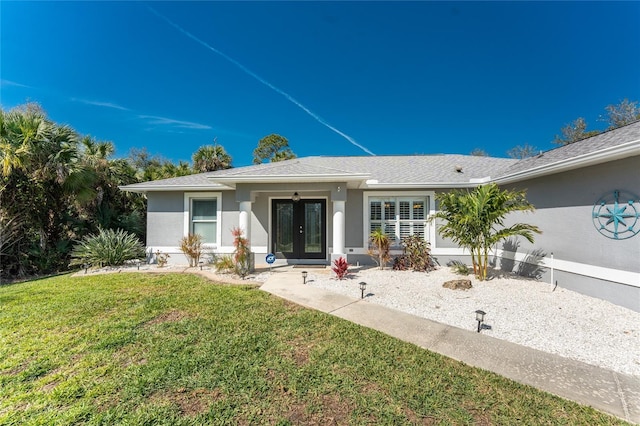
(617, 215)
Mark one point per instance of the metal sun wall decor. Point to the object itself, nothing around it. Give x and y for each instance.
(616, 215)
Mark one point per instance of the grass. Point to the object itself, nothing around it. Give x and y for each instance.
(176, 349)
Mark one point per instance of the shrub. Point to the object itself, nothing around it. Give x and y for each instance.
(191, 246)
(340, 267)
(107, 248)
(162, 258)
(400, 263)
(242, 253)
(224, 263)
(417, 255)
(459, 267)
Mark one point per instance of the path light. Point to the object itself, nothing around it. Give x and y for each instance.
(363, 287)
(480, 318)
(201, 263)
(304, 277)
(138, 263)
(296, 197)
(86, 267)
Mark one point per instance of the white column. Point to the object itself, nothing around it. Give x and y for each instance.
(245, 219)
(338, 227)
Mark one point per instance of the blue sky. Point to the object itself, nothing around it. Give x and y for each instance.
(334, 78)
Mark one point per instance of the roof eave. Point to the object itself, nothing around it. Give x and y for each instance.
(617, 152)
(164, 188)
(424, 185)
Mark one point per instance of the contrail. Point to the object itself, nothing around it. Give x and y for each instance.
(261, 80)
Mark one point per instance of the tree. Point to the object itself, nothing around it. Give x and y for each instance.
(56, 187)
(479, 152)
(273, 148)
(472, 220)
(209, 158)
(379, 247)
(43, 184)
(522, 151)
(574, 131)
(622, 114)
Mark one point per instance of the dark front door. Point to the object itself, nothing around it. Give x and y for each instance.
(299, 229)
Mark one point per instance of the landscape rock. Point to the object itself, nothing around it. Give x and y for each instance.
(458, 284)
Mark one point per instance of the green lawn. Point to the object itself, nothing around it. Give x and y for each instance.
(177, 349)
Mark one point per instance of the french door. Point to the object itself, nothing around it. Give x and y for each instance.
(299, 229)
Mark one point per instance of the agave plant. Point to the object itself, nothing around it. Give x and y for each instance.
(107, 248)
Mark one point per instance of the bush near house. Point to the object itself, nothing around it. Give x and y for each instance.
(340, 268)
(107, 248)
(242, 253)
(416, 255)
(191, 246)
(473, 220)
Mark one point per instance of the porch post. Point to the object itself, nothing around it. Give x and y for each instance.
(245, 219)
(338, 228)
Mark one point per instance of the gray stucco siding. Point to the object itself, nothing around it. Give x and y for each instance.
(564, 205)
(440, 241)
(229, 219)
(165, 217)
(260, 222)
(354, 214)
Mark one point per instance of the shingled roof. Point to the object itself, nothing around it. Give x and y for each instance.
(607, 146)
(428, 171)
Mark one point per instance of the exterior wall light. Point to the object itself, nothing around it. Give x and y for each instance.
(480, 318)
(295, 197)
(304, 277)
(363, 287)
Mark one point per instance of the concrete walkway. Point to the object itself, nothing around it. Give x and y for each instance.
(614, 393)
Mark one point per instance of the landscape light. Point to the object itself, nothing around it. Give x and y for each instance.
(138, 263)
(480, 318)
(304, 277)
(363, 287)
(201, 263)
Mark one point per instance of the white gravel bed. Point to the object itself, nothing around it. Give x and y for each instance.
(522, 311)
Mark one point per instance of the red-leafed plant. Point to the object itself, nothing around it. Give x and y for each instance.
(340, 267)
(242, 253)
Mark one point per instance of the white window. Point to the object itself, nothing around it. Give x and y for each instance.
(202, 213)
(399, 216)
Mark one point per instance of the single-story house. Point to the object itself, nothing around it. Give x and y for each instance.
(316, 209)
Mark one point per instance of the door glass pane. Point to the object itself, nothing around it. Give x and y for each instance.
(284, 227)
(313, 227)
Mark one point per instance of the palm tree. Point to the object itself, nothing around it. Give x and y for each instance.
(472, 220)
(381, 244)
(209, 158)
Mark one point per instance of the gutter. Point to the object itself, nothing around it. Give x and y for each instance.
(158, 188)
(617, 152)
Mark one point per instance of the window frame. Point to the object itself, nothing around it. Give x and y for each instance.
(427, 197)
(188, 214)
